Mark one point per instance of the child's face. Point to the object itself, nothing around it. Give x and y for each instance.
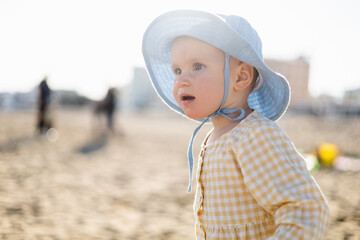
(199, 82)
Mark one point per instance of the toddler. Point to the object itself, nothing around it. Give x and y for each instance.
(251, 181)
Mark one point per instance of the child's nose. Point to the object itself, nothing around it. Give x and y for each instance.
(182, 81)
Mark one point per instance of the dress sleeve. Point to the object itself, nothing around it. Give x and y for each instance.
(277, 177)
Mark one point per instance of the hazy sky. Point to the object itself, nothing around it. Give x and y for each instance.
(89, 45)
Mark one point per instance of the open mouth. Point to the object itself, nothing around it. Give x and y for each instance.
(187, 98)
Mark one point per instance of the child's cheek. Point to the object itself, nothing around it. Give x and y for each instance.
(174, 92)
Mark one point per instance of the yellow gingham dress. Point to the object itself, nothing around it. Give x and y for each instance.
(253, 184)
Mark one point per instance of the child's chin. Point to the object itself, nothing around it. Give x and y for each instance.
(195, 116)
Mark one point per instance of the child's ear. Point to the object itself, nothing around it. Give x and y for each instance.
(245, 74)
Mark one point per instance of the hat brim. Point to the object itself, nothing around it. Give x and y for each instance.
(271, 99)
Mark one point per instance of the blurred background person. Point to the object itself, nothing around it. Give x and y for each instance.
(44, 122)
(110, 105)
(107, 107)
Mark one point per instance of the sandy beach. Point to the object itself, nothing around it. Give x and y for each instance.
(80, 183)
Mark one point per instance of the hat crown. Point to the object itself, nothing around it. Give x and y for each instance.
(245, 31)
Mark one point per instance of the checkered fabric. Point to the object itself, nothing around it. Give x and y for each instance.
(253, 184)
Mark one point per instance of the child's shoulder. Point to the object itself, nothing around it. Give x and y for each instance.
(255, 126)
(256, 122)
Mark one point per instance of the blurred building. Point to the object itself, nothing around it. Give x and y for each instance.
(297, 73)
(18, 100)
(29, 100)
(351, 103)
(352, 97)
(140, 95)
(70, 98)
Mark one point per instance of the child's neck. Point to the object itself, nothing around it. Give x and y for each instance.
(222, 125)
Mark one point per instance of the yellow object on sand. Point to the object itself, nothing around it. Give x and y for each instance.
(327, 152)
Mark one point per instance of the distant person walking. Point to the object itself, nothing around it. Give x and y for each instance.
(108, 106)
(44, 122)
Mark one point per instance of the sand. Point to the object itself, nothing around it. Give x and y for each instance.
(85, 184)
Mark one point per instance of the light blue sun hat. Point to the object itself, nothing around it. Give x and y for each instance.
(232, 34)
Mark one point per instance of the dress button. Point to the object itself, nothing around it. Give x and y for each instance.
(202, 153)
(199, 211)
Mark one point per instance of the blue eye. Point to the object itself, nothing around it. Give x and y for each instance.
(177, 71)
(198, 66)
